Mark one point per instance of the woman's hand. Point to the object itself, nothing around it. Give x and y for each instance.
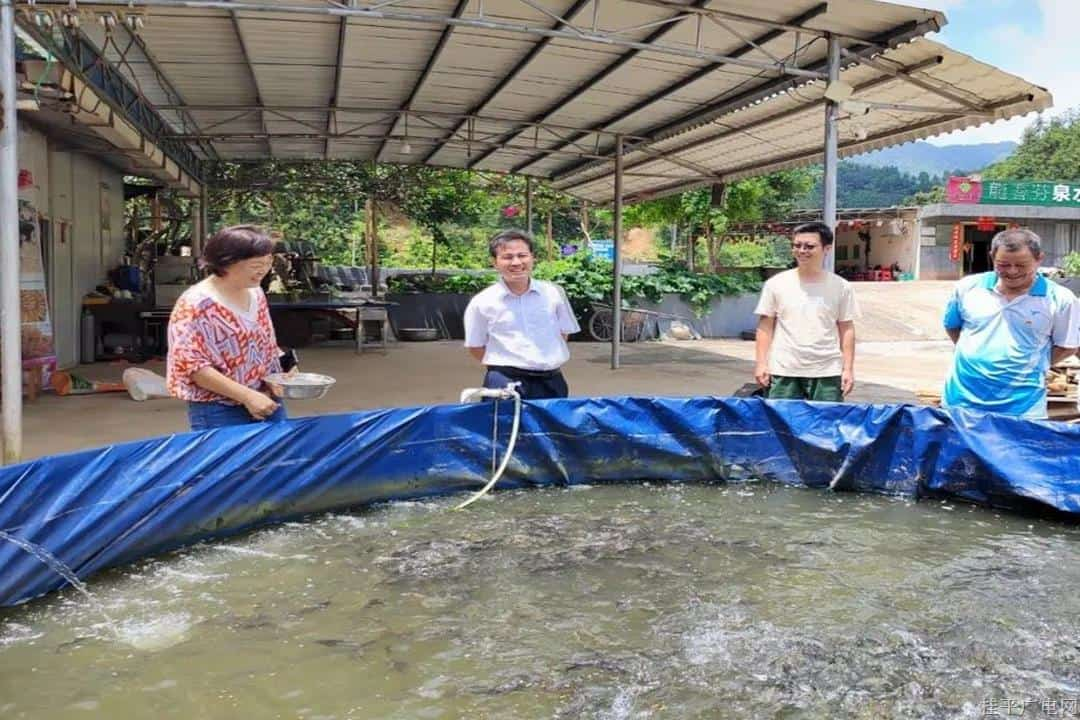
(276, 389)
(259, 405)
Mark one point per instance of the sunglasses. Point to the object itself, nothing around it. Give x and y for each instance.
(804, 246)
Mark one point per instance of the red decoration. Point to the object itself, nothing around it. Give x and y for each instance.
(986, 224)
(954, 246)
(963, 190)
(26, 179)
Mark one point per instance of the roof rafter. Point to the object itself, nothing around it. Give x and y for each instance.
(849, 148)
(168, 87)
(433, 59)
(535, 50)
(791, 112)
(597, 78)
(331, 115)
(890, 38)
(693, 77)
(254, 80)
(917, 82)
(563, 29)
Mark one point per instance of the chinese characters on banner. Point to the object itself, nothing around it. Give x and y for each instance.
(1006, 192)
(957, 242)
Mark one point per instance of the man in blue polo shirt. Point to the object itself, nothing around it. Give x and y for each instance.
(1009, 326)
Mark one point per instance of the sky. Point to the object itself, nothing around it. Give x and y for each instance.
(1035, 39)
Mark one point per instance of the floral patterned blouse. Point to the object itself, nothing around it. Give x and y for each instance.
(205, 331)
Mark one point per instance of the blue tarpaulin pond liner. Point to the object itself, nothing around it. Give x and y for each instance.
(101, 508)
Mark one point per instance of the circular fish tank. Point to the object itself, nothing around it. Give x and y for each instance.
(615, 601)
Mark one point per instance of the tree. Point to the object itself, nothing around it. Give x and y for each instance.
(438, 198)
(1049, 151)
(859, 185)
(752, 200)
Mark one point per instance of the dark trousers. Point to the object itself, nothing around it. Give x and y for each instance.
(534, 385)
(207, 415)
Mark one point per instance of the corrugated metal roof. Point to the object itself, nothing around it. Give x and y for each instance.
(787, 131)
(539, 87)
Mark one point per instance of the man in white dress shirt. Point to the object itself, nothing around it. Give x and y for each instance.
(518, 327)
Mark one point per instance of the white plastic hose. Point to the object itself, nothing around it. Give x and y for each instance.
(510, 391)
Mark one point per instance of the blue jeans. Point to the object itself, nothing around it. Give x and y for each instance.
(207, 415)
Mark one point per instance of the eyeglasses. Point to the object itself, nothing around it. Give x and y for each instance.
(804, 246)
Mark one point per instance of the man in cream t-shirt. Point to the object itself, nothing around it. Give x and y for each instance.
(805, 343)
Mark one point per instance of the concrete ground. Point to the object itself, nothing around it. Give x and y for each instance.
(430, 373)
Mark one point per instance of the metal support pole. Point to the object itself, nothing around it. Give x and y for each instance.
(832, 109)
(616, 241)
(204, 219)
(196, 227)
(10, 331)
(528, 206)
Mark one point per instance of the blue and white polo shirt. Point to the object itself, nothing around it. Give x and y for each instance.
(1003, 352)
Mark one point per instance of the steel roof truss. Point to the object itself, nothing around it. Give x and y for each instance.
(536, 49)
(254, 80)
(429, 67)
(745, 129)
(690, 79)
(896, 35)
(888, 69)
(331, 115)
(593, 81)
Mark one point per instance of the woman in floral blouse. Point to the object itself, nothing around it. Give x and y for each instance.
(221, 340)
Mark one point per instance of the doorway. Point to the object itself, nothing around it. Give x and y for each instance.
(977, 249)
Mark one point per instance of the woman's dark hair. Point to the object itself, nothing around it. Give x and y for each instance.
(230, 245)
(507, 236)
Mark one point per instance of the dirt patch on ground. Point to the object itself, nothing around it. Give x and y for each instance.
(901, 311)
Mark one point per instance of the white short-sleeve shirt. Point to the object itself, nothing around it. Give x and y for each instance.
(521, 331)
(806, 341)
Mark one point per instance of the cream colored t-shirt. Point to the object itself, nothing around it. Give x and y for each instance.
(806, 342)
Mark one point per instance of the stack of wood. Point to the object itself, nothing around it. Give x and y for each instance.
(928, 397)
(1061, 384)
(1061, 389)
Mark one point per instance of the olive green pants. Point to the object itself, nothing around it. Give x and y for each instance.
(826, 389)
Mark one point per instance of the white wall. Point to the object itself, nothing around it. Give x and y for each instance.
(68, 189)
(884, 249)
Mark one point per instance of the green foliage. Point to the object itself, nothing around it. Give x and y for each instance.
(1071, 264)
(767, 197)
(1049, 150)
(865, 186)
(935, 194)
(586, 279)
(583, 276)
(459, 283)
(411, 247)
(754, 254)
(697, 289)
(453, 212)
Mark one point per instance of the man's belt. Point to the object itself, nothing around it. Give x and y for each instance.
(521, 372)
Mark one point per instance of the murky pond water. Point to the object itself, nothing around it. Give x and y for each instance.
(659, 601)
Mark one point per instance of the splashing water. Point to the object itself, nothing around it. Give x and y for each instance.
(65, 572)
